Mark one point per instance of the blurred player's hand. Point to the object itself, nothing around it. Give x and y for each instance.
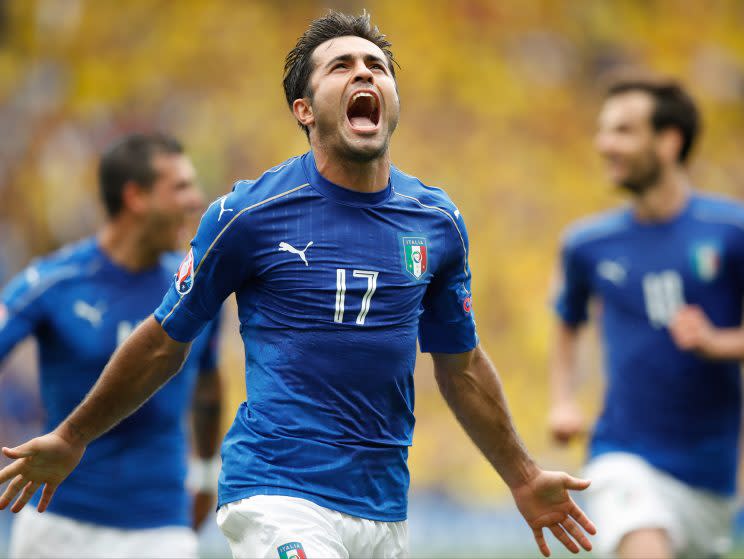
(692, 331)
(545, 503)
(566, 422)
(43, 461)
(204, 502)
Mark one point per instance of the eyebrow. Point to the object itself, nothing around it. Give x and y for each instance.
(348, 57)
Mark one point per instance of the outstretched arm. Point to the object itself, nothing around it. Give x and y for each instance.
(137, 369)
(472, 389)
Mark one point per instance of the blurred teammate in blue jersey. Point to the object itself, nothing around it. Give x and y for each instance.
(339, 262)
(668, 270)
(127, 496)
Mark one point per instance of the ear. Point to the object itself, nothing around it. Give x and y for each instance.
(134, 197)
(669, 144)
(303, 112)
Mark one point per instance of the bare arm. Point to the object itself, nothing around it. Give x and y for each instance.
(566, 419)
(472, 389)
(137, 369)
(205, 423)
(691, 330)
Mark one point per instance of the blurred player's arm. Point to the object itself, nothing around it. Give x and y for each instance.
(472, 388)
(692, 330)
(565, 419)
(21, 308)
(141, 365)
(206, 413)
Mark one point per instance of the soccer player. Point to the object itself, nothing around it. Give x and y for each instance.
(339, 262)
(668, 270)
(127, 496)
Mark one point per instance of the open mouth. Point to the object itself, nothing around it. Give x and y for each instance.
(363, 111)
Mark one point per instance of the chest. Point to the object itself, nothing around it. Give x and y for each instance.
(347, 265)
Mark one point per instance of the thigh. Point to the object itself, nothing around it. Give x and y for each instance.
(625, 496)
(277, 527)
(47, 536)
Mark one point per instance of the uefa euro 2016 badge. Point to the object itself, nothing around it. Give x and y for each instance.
(415, 255)
(706, 260)
(184, 278)
(292, 550)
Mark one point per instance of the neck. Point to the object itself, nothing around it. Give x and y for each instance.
(125, 244)
(361, 176)
(665, 199)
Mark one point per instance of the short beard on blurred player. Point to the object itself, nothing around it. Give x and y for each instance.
(643, 173)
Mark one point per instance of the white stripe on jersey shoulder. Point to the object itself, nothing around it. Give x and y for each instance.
(709, 216)
(597, 226)
(225, 228)
(449, 216)
(40, 285)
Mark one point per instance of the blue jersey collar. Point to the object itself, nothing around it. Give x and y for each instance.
(339, 193)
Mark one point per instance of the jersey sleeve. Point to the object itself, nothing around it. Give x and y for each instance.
(447, 324)
(21, 309)
(218, 263)
(574, 291)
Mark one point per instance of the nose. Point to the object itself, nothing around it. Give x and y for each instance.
(362, 72)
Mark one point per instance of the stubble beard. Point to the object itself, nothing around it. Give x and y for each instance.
(644, 177)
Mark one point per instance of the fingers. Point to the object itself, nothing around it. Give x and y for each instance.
(578, 515)
(11, 470)
(563, 537)
(14, 487)
(28, 492)
(541, 543)
(573, 529)
(46, 496)
(575, 483)
(22, 451)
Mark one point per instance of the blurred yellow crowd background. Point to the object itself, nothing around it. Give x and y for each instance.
(499, 101)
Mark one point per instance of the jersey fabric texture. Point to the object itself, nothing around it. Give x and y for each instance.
(80, 306)
(333, 288)
(677, 410)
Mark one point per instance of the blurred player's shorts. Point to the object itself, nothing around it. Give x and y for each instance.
(51, 536)
(628, 494)
(292, 528)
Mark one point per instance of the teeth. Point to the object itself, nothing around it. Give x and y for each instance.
(362, 94)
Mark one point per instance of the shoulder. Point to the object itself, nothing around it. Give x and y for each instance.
(70, 262)
(596, 228)
(413, 189)
(275, 183)
(718, 209)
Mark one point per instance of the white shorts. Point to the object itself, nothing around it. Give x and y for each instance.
(628, 494)
(278, 527)
(52, 536)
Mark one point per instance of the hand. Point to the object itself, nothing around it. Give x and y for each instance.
(692, 331)
(46, 461)
(203, 503)
(545, 503)
(565, 422)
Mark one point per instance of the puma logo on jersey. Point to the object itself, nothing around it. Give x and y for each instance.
(92, 314)
(223, 209)
(286, 247)
(611, 271)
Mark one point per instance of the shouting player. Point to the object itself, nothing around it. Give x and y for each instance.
(127, 495)
(669, 272)
(339, 262)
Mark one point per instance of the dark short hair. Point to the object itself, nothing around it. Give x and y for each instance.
(298, 65)
(130, 159)
(673, 107)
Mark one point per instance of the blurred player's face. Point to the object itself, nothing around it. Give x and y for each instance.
(354, 105)
(627, 141)
(174, 203)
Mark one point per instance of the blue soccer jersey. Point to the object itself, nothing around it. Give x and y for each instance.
(333, 289)
(80, 306)
(677, 410)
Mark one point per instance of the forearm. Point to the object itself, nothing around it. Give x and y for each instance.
(206, 414)
(137, 369)
(726, 344)
(564, 364)
(476, 397)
